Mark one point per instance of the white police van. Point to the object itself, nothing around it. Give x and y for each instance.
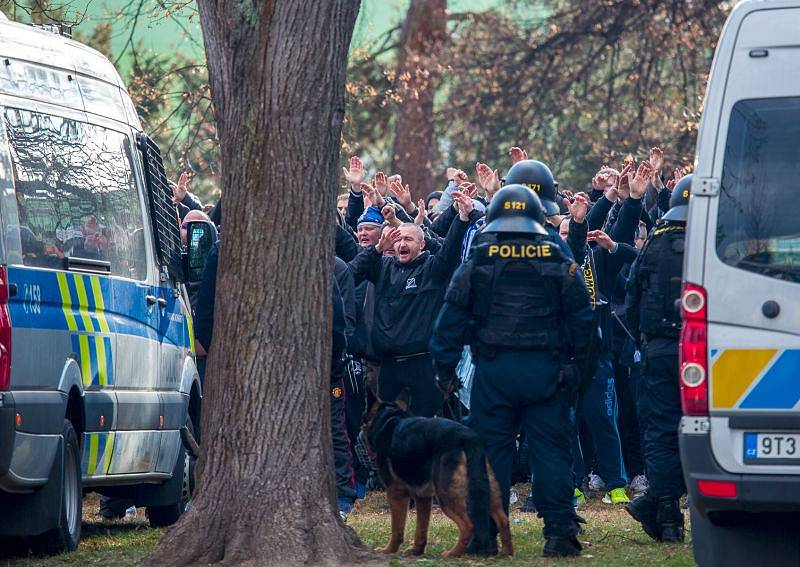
(98, 385)
(740, 345)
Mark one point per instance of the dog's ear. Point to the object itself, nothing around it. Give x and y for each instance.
(403, 399)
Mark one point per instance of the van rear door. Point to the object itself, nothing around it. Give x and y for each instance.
(752, 259)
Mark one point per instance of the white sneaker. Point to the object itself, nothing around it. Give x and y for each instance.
(596, 484)
(638, 485)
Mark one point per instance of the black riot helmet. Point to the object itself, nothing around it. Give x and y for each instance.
(515, 209)
(679, 200)
(536, 176)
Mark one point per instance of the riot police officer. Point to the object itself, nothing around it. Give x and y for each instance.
(523, 308)
(652, 310)
(537, 177)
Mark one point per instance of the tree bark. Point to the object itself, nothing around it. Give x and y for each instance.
(424, 34)
(266, 493)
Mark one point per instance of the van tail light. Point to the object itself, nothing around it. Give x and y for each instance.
(717, 488)
(693, 352)
(5, 332)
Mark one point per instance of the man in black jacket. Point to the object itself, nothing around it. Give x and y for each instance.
(409, 290)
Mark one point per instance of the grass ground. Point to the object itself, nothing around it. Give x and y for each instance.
(610, 538)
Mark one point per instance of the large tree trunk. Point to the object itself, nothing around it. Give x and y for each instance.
(423, 37)
(266, 489)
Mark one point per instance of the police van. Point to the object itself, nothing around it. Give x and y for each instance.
(99, 389)
(740, 344)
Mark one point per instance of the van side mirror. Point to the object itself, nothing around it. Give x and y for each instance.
(200, 237)
(163, 215)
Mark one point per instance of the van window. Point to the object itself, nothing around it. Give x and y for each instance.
(758, 227)
(75, 191)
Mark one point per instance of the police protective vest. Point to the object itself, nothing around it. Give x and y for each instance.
(516, 295)
(660, 270)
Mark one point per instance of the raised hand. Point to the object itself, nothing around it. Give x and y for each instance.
(656, 160)
(578, 207)
(422, 214)
(455, 174)
(380, 183)
(623, 189)
(354, 175)
(372, 195)
(469, 190)
(403, 195)
(638, 182)
(464, 204)
(181, 189)
(488, 178)
(601, 238)
(517, 154)
(387, 240)
(390, 216)
(600, 179)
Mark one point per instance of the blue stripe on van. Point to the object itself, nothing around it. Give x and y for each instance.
(779, 388)
(109, 360)
(126, 309)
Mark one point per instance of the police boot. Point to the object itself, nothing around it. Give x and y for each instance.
(670, 520)
(485, 549)
(645, 511)
(560, 540)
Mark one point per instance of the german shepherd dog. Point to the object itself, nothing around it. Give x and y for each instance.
(421, 458)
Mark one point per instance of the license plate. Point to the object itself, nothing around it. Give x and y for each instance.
(771, 446)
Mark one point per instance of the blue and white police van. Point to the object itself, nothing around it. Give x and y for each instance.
(740, 343)
(99, 389)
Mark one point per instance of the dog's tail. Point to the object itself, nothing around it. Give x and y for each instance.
(478, 492)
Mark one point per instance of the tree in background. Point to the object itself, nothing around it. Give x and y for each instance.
(422, 40)
(576, 83)
(265, 493)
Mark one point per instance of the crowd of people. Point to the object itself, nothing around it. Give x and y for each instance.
(526, 311)
(529, 312)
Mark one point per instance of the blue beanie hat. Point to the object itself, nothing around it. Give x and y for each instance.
(371, 216)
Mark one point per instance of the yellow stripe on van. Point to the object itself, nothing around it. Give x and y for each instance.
(83, 302)
(66, 301)
(108, 452)
(102, 365)
(92, 464)
(99, 304)
(86, 360)
(190, 330)
(734, 371)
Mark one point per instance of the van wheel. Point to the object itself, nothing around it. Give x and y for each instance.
(744, 539)
(162, 516)
(68, 534)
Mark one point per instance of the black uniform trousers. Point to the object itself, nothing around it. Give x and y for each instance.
(628, 420)
(342, 458)
(415, 373)
(519, 388)
(660, 412)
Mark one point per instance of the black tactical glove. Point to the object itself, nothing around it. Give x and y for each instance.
(447, 381)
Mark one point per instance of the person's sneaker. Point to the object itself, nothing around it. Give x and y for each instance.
(528, 506)
(578, 498)
(560, 546)
(616, 496)
(596, 484)
(345, 505)
(638, 485)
